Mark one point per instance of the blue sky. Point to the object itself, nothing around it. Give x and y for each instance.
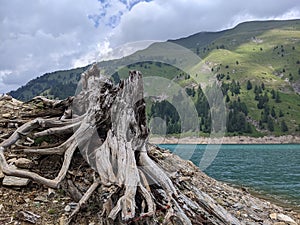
(39, 36)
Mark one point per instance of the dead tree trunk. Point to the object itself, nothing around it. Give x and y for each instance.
(107, 124)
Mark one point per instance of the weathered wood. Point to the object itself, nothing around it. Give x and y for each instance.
(108, 126)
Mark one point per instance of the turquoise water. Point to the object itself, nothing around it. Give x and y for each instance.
(271, 170)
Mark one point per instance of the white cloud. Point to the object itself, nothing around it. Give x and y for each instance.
(39, 36)
(162, 19)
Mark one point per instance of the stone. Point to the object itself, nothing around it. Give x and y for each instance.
(15, 181)
(67, 208)
(11, 125)
(255, 218)
(286, 219)
(279, 223)
(24, 163)
(1, 174)
(12, 160)
(6, 115)
(40, 199)
(238, 206)
(62, 220)
(273, 216)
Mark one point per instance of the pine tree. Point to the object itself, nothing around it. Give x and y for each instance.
(284, 127)
(249, 85)
(273, 113)
(281, 113)
(273, 93)
(227, 98)
(270, 124)
(277, 97)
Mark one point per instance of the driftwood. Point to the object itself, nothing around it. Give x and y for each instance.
(107, 124)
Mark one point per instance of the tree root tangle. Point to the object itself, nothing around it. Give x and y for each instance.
(107, 124)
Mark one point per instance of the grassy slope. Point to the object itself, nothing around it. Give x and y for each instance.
(267, 55)
(263, 51)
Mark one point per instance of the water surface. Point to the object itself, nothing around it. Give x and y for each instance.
(272, 170)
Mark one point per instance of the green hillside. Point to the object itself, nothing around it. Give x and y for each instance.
(257, 65)
(59, 84)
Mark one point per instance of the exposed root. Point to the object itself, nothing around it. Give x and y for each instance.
(68, 129)
(111, 134)
(84, 199)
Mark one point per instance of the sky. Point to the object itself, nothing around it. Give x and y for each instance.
(40, 36)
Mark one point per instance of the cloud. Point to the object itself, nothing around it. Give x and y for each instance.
(162, 19)
(39, 36)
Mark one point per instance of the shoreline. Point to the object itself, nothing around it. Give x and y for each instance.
(288, 139)
(284, 203)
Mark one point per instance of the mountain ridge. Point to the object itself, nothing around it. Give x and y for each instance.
(262, 53)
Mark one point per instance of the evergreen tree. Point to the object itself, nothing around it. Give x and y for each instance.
(270, 124)
(284, 127)
(273, 113)
(273, 93)
(277, 97)
(281, 113)
(256, 89)
(249, 85)
(227, 98)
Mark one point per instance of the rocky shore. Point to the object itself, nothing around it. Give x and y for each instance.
(239, 202)
(48, 206)
(287, 139)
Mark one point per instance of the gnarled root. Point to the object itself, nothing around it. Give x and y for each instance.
(111, 134)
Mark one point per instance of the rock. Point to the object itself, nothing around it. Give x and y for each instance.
(5, 97)
(273, 216)
(279, 223)
(238, 206)
(6, 115)
(1, 174)
(15, 181)
(1, 207)
(255, 218)
(12, 160)
(67, 208)
(62, 220)
(12, 125)
(286, 219)
(40, 199)
(24, 163)
(245, 215)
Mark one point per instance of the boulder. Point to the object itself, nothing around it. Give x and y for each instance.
(24, 163)
(286, 219)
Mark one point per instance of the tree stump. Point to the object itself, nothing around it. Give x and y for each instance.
(107, 123)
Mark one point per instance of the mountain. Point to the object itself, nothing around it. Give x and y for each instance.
(257, 65)
(59, 84)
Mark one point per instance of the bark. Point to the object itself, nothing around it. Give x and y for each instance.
(107, 124)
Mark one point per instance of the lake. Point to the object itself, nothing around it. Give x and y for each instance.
(272, 170)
